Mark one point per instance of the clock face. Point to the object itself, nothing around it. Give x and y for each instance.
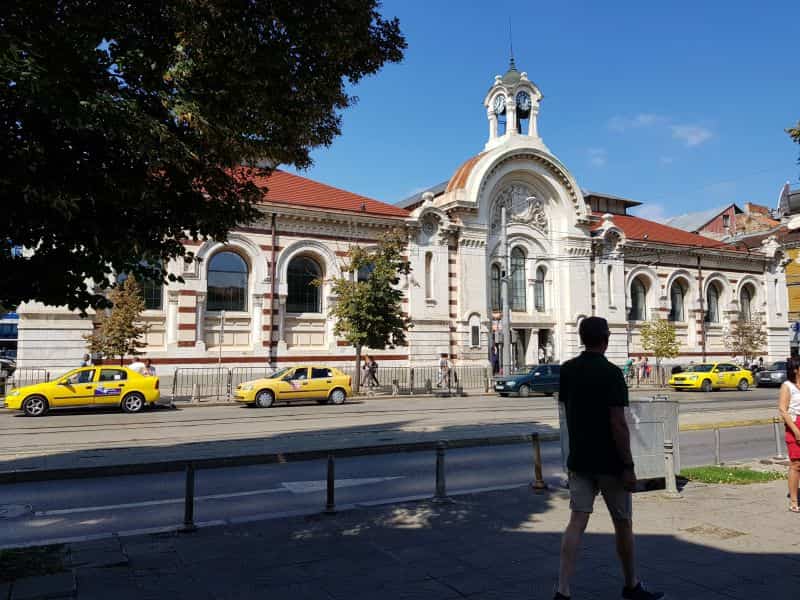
(499, 104)
(524, 101)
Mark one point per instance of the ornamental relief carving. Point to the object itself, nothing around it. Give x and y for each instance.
(522, 207)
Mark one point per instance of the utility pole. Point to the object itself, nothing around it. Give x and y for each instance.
(505, 323)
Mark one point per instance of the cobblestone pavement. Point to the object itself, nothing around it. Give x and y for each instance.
(717, 542)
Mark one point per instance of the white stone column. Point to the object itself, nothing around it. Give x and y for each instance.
(172, 318)
(532, 129)
(256, 321)
(511, 116)
(281, 323)
(200, 323)
(532, 352)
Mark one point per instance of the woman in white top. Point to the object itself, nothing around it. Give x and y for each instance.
(789, 408)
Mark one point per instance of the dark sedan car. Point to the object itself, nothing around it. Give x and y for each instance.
(773, 375)
(538, 378)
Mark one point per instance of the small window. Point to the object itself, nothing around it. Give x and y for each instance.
(321, 373)
(726, 220)
(475, 336)
(429, 275)
(112, 375)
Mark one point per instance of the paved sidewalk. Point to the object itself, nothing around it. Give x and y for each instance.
(718, 542)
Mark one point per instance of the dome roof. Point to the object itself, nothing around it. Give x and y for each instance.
(512, 76)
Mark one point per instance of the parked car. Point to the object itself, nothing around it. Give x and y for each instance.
(773, 375)
(311, 382)
(712, 376)
(87, 386)
(538, 378)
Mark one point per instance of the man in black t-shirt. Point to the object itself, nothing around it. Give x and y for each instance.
(595, 395)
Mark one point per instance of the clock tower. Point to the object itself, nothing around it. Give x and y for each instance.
(512, 106)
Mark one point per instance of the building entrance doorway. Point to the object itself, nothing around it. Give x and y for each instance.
(546, 351)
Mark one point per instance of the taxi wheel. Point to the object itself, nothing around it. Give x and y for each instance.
(35, 406)
(743, 385)
(337, 396)
(706, 385)
(264, 399)
(133, 402)
(524, 391)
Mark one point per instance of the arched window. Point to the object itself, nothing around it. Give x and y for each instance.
(227, 282)
(677, 296)
(496, 300)
(638, 301)
(712, 304)
(538, 290)
(429, 274)
(303, 296)
(517, 279)
(746, 303)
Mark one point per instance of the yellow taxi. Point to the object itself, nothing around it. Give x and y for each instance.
(306, 382)
(87, 386)
(712, 376)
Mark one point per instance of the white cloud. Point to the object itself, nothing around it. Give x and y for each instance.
(691, 135)
(652, 212)
(598, 157)
(620, 123)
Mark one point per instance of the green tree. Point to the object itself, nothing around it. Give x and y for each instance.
(658, 338)
(746, 338)
(368, 309)
(119, 332)
(127, 127)
(794, 132)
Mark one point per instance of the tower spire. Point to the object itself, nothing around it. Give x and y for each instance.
(511, 64)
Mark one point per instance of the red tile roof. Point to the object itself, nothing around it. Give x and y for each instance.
(642, 230)
(287, 188)
(459, 178)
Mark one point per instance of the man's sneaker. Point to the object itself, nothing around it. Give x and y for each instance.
(639, 593)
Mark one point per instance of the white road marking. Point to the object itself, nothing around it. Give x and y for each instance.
(294, 487)
(305, 487)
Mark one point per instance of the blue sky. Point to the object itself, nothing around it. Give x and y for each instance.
(680, 105)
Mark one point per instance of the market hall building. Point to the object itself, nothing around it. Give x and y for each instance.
(565, 254)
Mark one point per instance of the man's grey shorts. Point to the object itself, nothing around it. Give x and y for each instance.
(584, 487)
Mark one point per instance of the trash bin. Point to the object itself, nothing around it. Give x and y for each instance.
(651, 419)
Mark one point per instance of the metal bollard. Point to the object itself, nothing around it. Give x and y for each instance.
(538, 485)
(669, 470)
(441, 486)
(188, 508)
(330, 500)
(779, 443)
(717, 458)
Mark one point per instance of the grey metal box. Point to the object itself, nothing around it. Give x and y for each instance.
(651, 419)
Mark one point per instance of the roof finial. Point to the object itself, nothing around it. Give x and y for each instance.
(511, 64)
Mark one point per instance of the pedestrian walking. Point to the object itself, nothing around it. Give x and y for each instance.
(365, 371)
(138, 366)
(495, 361)
(627, 369)
(149, 369)
(444, 371)
(789, 408)
(86, 361)
(372, 371)
(595, 396)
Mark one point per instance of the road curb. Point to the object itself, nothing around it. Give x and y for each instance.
(725, 424)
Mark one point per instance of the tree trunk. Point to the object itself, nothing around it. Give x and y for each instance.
(357, 375)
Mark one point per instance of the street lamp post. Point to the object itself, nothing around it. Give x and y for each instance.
(506, 316)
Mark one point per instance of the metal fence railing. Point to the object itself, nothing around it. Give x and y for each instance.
(637, 376)
(204, 384)
(28, 376)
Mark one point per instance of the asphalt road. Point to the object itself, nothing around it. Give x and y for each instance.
(60, 510)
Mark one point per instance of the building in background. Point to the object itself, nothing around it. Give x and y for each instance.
(564, 253)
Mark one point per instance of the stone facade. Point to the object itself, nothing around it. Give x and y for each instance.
(570, 254)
